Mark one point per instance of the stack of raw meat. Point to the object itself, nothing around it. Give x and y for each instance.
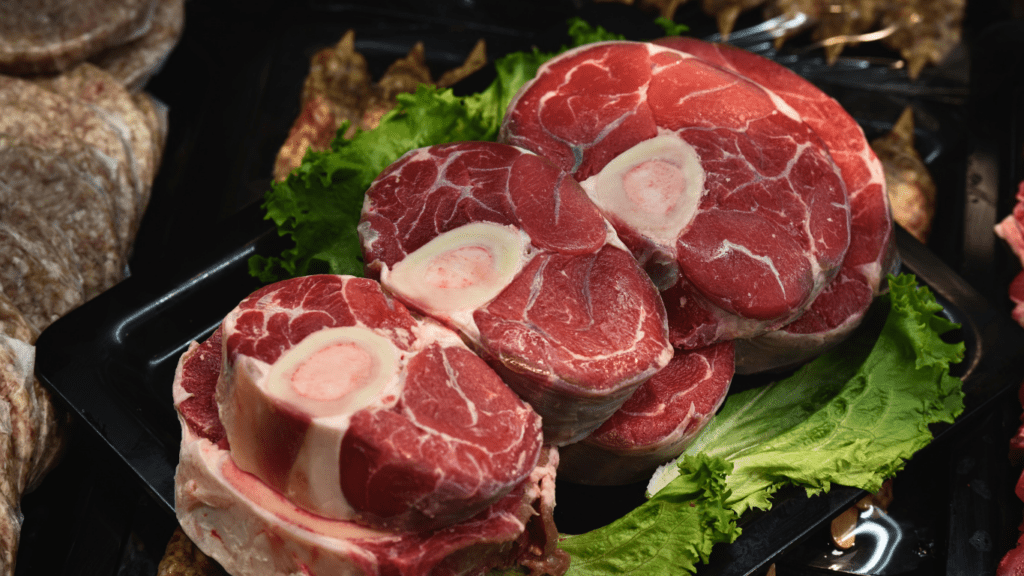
(654, 218)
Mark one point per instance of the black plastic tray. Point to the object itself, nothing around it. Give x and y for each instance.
(232, 87)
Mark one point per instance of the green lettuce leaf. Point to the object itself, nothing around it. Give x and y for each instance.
(857, 433)
(852, 416)
(669, 534)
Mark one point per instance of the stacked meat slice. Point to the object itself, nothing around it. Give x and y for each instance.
(738, 186)
(841, 306)
(505, 247)
(326, 430)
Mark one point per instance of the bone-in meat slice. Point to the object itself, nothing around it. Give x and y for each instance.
(228, 513)
(842, 304)
(334, 395)
(533, 294)
(658, 422)
(719, 188)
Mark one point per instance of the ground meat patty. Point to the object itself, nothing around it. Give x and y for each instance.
(46, 36)
(155, 113)
(10, 508)
(37, 116)
(61, 195)
(134, 63)
(34, 273)
(94, 86)
(30, 439)
(13, 324)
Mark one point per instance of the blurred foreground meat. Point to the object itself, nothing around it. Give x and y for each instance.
(1011, 230)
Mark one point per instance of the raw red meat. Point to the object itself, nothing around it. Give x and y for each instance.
(1011, 230)
(1012, 563)
(558, 306)
(841, 306)
(658, 422)
(718, 186)
(251, 528)
(380, 417)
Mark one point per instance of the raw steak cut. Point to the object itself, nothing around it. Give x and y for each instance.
(335, 396)
(251, 529)
(657, 423)
(722, 192)
(841, 306)
(503, 246)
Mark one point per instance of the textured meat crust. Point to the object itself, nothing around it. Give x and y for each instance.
(34, 273)
(10, 510)
(31, 438)
(37, 116)
(13, 324)
(135, 62)
(46, 36)
(63, 196)
(101, 91)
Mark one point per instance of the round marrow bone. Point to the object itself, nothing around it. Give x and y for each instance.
(246, 526)
(770, 221)
(301, 404)
(654, 187)
(459, 271)
(332, 394)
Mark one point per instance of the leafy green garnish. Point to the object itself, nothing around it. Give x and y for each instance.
(670, 27)
(848, 417)
(852, 417)
(669, 534)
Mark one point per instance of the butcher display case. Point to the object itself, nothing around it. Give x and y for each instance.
(232, 89)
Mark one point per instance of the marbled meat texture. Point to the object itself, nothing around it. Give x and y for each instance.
(658, 422)
(772, 223)
(450, 441)
(843, 303)
(580, 326)
(251, 529)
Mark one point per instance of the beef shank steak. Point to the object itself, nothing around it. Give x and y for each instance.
(720, 189)
(501, 245)
(327, 429)
(842, 304)
(658, 422)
